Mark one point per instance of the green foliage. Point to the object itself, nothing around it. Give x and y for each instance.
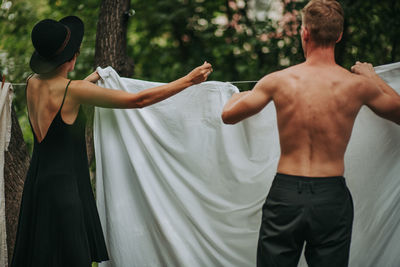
(169, 37)
(372, 32)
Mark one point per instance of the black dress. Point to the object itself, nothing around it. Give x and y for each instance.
(59, 225)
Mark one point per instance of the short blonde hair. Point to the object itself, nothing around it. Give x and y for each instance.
(324, 19)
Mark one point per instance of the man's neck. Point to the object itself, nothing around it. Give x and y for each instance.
(317, 55)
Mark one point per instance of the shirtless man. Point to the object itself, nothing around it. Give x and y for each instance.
(317, 103)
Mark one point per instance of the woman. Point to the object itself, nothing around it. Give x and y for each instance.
(59, 224)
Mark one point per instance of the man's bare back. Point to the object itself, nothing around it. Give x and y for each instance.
(317, 103)
(316, 109)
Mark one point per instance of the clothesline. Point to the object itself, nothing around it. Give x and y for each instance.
(14, 84)
(231, 82)
(242, 82)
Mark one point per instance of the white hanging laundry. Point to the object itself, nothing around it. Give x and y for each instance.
(6, 95)
(177, 187)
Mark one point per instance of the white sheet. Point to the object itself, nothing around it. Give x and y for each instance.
(6, 94)
(177, 187)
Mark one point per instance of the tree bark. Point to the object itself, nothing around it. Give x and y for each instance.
(111, 43)
(111, 37)
(15, 168)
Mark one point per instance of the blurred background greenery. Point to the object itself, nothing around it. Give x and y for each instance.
(244, 40)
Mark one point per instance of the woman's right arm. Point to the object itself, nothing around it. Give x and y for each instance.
(85, 92)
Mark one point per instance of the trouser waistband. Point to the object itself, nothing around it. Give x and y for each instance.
(300, 182)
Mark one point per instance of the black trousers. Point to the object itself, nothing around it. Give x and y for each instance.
(315, 211)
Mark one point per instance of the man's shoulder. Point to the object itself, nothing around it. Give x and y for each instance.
(359, 82)
(357, 86)
(295, 69)
(278, 80)
(284, 74)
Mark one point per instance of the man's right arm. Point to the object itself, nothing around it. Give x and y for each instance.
(246, 104)
(378, 95)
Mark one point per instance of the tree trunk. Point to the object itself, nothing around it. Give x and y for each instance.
(15, 168)
(111, 37)
(111, 43)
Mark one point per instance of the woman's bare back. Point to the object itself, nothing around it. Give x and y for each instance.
(44, 99)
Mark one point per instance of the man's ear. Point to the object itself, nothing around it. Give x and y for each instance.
(305, 33)
(340, 37)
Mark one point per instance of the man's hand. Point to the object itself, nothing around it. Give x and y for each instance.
(364, 69)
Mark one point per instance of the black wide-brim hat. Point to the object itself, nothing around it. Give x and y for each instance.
(55, 42)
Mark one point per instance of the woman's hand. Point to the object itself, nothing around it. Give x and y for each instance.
(199, 74)
(93, 77)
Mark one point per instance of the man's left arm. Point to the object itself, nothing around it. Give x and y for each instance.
(380, 97)
(367, 70)
(245, 104)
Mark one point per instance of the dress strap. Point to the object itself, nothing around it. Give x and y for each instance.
(27, 80)
(65, 94)
(26, 95)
